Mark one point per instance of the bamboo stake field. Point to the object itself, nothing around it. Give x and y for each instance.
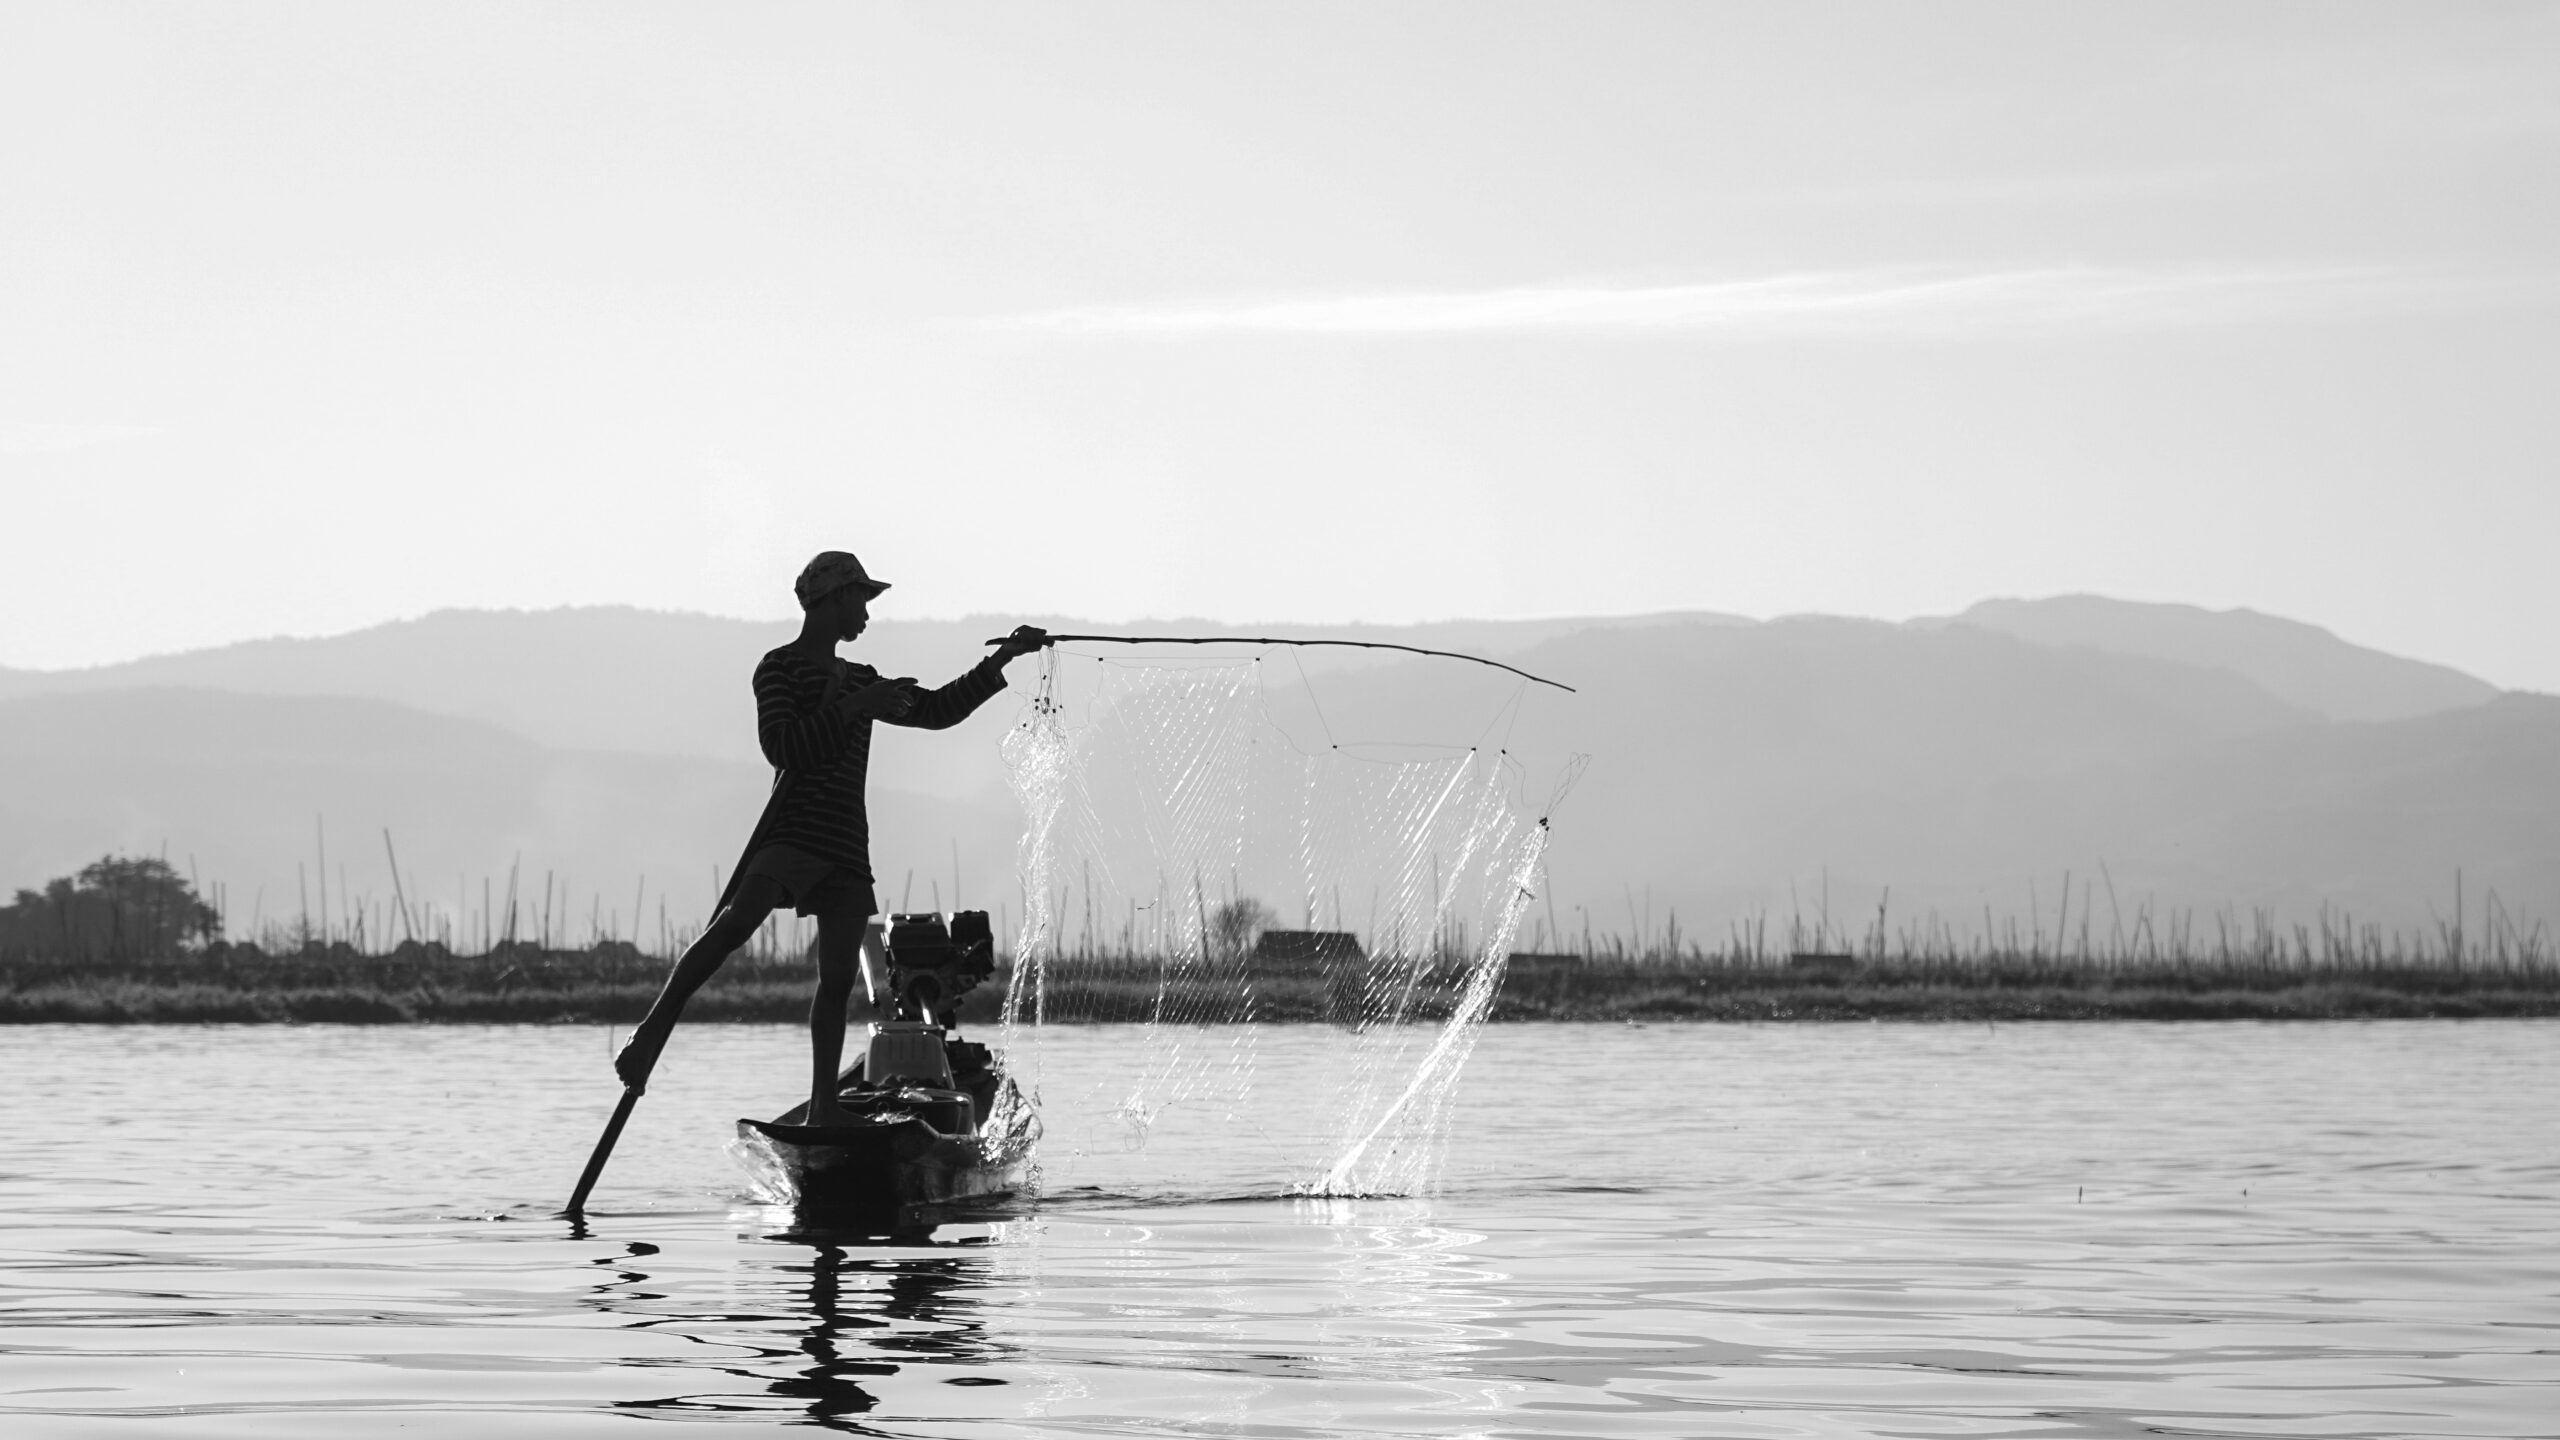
(2178, 970)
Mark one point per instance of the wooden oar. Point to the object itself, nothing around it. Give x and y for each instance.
(604, 1152)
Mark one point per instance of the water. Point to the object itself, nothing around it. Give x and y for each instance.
(2320, 1230)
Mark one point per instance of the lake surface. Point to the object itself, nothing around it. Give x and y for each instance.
(2105, 1230)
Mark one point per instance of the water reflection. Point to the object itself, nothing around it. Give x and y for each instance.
(2299, 1230)
(861, 1308)
(1417, 1293)
(834, 1325)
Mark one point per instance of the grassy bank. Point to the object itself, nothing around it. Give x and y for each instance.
(2023, 987)
(612, 984)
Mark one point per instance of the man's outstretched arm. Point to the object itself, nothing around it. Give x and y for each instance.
(948, 706)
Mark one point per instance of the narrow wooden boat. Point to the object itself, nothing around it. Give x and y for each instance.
(937, 1121)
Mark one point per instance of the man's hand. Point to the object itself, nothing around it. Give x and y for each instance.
(1023, 640)
(886, 700)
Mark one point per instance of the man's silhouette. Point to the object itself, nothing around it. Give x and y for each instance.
(811, 850)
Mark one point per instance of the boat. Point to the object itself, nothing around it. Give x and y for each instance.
(937, 1122)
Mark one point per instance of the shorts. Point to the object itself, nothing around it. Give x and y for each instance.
(816, 887)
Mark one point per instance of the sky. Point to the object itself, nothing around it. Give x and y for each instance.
(315, 316)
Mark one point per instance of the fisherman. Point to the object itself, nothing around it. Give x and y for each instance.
(811, 850)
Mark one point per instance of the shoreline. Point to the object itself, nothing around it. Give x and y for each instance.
(576, 988)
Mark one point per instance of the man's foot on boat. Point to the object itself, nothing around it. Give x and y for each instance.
(639, 1057)
(831, 1113)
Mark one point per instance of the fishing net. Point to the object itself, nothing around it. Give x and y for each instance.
(1194, 870)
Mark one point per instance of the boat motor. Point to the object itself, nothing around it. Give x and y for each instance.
(932, 964)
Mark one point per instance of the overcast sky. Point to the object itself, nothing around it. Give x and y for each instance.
(314, 316)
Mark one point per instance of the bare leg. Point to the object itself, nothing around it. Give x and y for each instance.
(733, 927)
(840, 940)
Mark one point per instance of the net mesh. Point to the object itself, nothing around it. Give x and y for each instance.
(1190, 867)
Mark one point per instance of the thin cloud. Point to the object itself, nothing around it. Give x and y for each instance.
(31, 437)
(1884, 303)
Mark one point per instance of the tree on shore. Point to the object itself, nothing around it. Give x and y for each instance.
(1234, 926)
(117, 908)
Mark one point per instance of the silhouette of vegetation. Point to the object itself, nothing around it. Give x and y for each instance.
(115, 909)
(128, 940)
(1235, 925)
(612, 982)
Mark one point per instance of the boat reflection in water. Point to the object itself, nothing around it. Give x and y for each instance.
(867, 1315)
(855, 1314)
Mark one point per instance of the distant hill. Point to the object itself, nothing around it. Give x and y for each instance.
(245, 788)
(1738, 769)
(2300, 663)
(1738, 772)
(618, 678)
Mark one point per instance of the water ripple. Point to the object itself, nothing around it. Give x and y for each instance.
(1830, 1231)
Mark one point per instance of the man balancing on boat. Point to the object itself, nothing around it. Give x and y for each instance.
(811, 849)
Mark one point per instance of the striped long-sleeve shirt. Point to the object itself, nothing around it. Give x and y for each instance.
(824, 755)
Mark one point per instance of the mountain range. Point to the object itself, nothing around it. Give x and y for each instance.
(2166, 758)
